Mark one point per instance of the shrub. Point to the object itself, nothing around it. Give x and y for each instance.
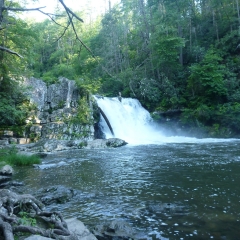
(11, 157)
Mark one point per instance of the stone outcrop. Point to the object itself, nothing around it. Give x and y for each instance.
(53, 145)
(55, 194)
(55, 106)
(105, 143)
(7, 137)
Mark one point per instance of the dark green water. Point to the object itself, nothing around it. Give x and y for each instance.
(168, 191)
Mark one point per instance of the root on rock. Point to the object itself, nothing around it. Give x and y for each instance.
(11, 223)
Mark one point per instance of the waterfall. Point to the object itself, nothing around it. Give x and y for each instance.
(129, 121)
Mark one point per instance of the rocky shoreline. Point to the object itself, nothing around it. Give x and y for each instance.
(51, 127)
(20, 216)
(54, 145)
(68, 229)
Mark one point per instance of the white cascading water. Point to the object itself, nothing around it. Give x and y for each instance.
(133, 123)
(129, 120)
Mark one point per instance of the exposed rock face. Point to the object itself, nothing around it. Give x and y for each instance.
(37, 92)
(55, 105)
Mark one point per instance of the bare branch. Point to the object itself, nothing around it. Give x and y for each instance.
(21, 9)
(70, 14)
(70, 17)
(31, 9)
(50, 16)
(65, 29)
(68, 10)
(10, 51)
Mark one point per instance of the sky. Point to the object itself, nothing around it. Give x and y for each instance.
(94, 7)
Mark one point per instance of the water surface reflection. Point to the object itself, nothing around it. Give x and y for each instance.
(174, 191)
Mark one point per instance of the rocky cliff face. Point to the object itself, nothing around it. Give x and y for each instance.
(56, 105)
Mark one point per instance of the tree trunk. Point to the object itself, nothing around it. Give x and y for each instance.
(181, 49)
(1, 11)
(238, 13)
(215, 24)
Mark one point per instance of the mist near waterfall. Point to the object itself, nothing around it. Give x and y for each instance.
(134, 124)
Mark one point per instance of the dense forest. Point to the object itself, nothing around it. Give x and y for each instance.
(172, 55)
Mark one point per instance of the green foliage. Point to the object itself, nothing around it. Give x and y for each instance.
(14, 105)
(26, 219)
(11, 156)
(16, 35)
(206, 81)
(167, 51)
(169, 54)
(111, 87)
(9, 115)
(83, 115)
(82, 144)
(88, 85)
(202, 114)
(58, 70)
(222, 120)
(229, 116)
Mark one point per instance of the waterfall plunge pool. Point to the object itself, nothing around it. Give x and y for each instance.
(168, 191)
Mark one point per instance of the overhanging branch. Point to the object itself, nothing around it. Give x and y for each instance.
(21, 9)
(70, 18)
(10, 51)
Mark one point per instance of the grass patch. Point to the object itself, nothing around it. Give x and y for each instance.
(11, 157)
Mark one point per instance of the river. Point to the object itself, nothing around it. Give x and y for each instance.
(182, 190)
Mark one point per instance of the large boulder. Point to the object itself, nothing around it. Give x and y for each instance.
(116, 229)
(55, 194)
(79, 229)
(106, 143)
(6, 170)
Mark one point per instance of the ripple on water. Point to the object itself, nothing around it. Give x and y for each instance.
(170, 191)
